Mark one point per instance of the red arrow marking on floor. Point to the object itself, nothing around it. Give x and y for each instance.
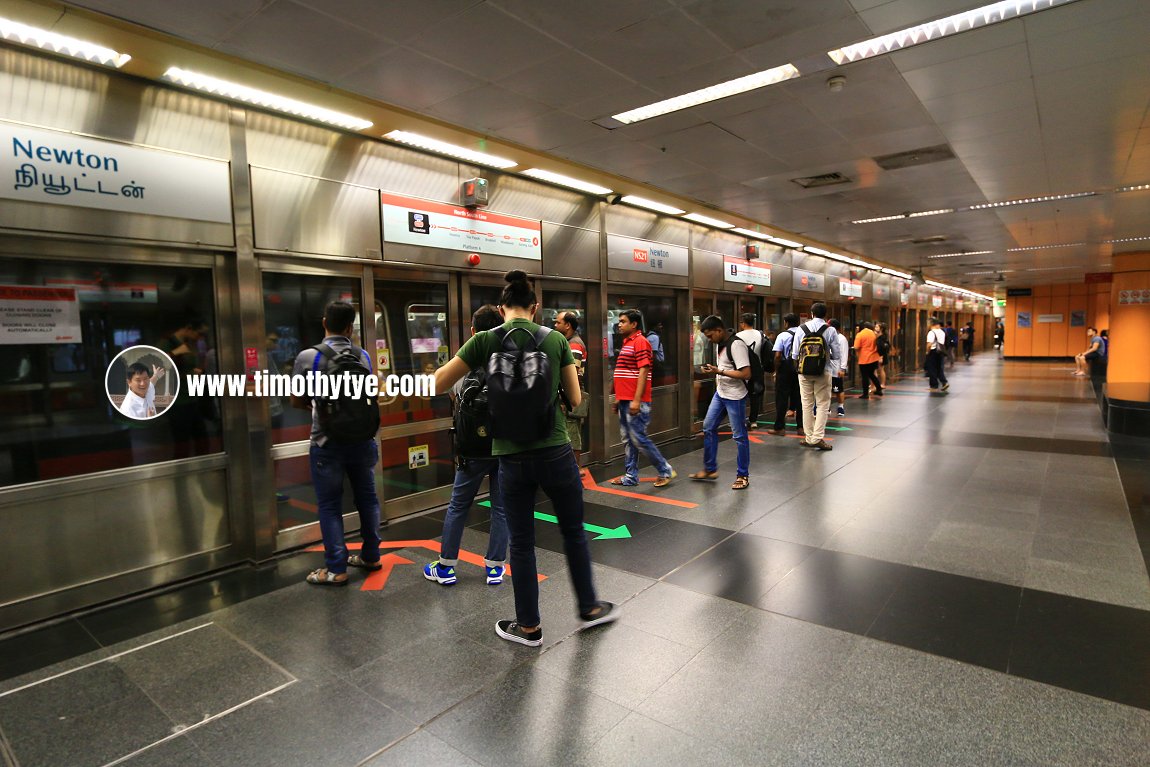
(589, 483)
(466, 556)
(750, 437)
(377, 580)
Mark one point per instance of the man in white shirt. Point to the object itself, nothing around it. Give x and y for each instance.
(731, 374)
(140, 401)
(936, 355)
(758, 344)
(815, 388)
(838, 368)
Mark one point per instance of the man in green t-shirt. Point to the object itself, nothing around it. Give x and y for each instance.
(525, 467)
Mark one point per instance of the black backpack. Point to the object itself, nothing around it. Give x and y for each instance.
(755, 382)
(813, 353)
(346, 419)
(472, 421)
(882, 346)
(519, 393)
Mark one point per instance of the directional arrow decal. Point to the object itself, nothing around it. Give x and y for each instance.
(603, 533)
(377, 580)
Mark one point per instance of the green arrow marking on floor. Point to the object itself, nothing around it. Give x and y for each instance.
(602, 533)
(828, 427)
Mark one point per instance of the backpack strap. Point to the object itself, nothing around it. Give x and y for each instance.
(322, 351)
(503, 333)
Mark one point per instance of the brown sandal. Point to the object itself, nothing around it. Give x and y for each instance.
(741, 483)
(704, 476)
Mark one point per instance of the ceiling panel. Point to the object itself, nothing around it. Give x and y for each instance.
(397, 21)
(206, 22)
(743, 24)
(595, 18)
(409, 79)
(488, 108)
(655, 47)
(565, 79)
(1000, 65)
(551, 130)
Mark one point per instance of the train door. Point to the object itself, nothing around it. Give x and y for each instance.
(570, 299)
(702, 353)
(415, 330)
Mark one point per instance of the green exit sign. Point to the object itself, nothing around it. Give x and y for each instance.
(1001, 302)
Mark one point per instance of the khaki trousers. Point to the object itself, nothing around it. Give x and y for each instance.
(815, 392)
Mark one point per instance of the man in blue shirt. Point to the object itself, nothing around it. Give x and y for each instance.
(786, 380)
(815, 390)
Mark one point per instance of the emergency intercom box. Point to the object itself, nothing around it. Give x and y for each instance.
(474, 193)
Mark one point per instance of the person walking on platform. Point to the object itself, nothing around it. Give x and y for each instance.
(526, 367)
(633, 402)
(866, 346)
(882, 346)
(786, 380)
(757, 342)
(474, 462)
(838, 368)
(967, 333)
(567, 323)
(731, 376)
(936, 356)
(337, 452)
(813, 348)
(951, 343)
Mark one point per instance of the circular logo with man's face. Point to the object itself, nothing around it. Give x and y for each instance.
(142, 382)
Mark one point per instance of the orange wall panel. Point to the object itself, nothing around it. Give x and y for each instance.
(1040, 331)
(1128, 323)
(1060, 332)
(1022, 336)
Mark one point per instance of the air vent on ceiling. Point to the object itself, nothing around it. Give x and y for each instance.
(826, 179)
(929, 240)
(923, 156)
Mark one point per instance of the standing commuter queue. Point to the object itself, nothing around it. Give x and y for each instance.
(519, 401)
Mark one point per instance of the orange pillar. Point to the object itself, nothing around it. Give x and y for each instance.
(1130, 319)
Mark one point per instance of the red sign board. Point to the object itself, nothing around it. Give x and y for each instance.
(1096, 277)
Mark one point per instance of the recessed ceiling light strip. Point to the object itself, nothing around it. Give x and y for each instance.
(237, 92)
(34, 37)
(708, 221)
(750, 233)
(642, 202)
(1134, 188)
(1030, 200)
(1125, 239)
(1046, 247)
(567, 181)
(784, 243)
(451, 150)
(964, 253)
(710, 93)
(933, 30)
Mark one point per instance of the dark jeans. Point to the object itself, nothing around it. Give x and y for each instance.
(468, 477)
(870, 378)
(554, 470)
(968, 348)
(329, 464)
(787, 398)
(755, 405)
(935, 361)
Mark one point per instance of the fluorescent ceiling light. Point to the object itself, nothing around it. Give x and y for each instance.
(708, 221)
(934, 284)
(33, 37)
(1029, 200)
(642, 202)
(1125, 239)
(916, 214)
(784, 243)
(237, 92)
(561, 180)
(711, 93)
(895, 273)
(964, 253)
(451, 150)
(749, 233)
(817, 251)
(878, 218)
(1045, 247)
(933, 30)
(1051, 268)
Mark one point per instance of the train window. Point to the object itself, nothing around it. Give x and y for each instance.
(412, 337)
(293, 321)
(55, 414)
(657, 324)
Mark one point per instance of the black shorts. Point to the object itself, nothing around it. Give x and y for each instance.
(837, 385)
(1092, 355)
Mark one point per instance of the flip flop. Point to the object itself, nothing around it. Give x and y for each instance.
(324, 577)
(355, 560)
(704, 476)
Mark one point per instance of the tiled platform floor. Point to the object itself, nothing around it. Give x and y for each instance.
(961, 581)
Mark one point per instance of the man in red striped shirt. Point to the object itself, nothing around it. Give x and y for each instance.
(633, 401)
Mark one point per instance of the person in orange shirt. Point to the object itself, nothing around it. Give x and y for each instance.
(867, 350)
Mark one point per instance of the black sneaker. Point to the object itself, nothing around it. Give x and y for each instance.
(608, 613)
(513, 632)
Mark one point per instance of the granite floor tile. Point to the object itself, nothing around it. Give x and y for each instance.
(421, 747)
(1125, 557)
(741, 568)
(902, 546)
(640, 740)
(1107, 586)
(681, 615)
(540, 720)
(178, 752)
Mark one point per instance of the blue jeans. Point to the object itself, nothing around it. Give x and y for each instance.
(735, 410)
(329, 464)
(468, 477)
(633, 432)
(554, 470)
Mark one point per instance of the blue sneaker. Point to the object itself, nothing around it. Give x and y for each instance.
(495, 575)
(444, 575)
